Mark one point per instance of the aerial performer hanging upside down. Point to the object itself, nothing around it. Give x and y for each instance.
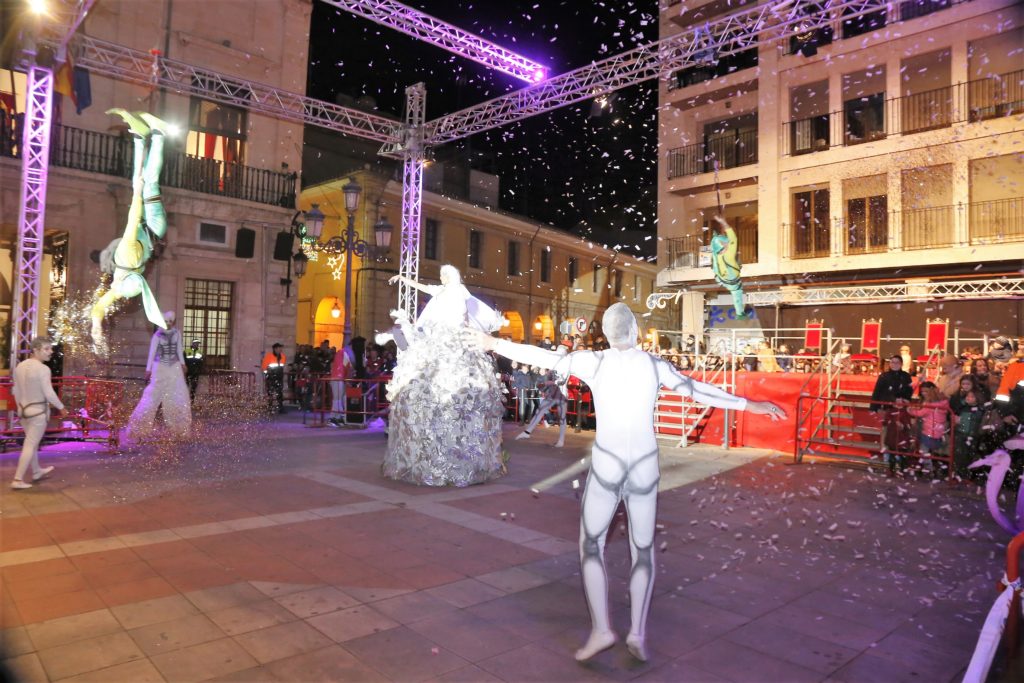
(624, 460)
(125, 258)
(725, 263)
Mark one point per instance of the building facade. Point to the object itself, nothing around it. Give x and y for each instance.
(229, 182)
(537, 276)
(882, 148)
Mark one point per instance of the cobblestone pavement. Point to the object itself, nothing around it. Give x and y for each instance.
(292, 559)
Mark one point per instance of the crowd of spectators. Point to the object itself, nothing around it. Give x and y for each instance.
(968, 407)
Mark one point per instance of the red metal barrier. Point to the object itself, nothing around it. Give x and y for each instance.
(363, 399)
(859, 436)
(93, 411)
(232, 383)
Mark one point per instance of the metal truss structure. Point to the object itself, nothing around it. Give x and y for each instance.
(422, 26)
(31, 217)
(154, 70)
(939, 290)
(718, 38)
(412, 196)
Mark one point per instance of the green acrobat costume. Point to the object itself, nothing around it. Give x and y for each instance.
(125, 259)
(725, 263)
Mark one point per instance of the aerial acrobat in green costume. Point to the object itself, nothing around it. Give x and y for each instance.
(725, 262)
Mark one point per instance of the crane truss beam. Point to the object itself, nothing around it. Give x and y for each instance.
(422, 26)
(77, 16)
(948, 290)
(32, 213)
(718, 38)
(143, 68)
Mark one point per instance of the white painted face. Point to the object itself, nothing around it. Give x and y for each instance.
(450, 275)
(619, 325)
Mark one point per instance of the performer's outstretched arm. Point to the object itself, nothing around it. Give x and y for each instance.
(709, 394)
(427, 289)
(581, 364)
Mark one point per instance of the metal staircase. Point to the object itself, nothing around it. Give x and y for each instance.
(675, 412)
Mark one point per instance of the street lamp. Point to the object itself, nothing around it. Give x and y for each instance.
(382, 231)
(351, 245)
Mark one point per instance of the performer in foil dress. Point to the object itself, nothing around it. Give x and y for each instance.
(445, 421)
(165, 371)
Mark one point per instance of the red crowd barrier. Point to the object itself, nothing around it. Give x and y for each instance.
(93, 411)
(363, 399)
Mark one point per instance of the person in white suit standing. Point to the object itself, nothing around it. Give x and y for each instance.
(35, 396)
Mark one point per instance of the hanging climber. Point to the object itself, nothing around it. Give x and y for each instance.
(725, 262)
(125, 258)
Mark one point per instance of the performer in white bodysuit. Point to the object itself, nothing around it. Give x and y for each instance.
(625, 382)
(34, 395)
(553, 391)
(165, 367)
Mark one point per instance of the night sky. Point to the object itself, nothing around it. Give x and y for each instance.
(595, 175)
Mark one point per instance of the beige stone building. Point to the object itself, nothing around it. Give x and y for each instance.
(229, 182)
(539, 277)
(889, 151)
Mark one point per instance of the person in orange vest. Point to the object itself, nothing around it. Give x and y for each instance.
(273, 372)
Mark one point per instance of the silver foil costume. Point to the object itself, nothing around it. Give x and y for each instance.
(445, 419)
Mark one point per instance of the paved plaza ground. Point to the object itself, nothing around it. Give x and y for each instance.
(289, 558)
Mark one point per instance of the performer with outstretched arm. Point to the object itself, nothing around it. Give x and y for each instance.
(625, 382)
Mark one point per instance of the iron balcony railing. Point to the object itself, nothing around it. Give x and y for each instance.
(690, 251)
(977, 100)
(729, 150)
(927, 228)
(996, 221)
(990, 222)
(684, 252)
(715, 67)
(95, 152)
(851, 27)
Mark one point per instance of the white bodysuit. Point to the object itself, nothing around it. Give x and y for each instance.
(624, 464)
(34, 395)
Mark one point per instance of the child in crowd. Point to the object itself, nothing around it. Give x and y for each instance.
(933, 412)
(968, 426)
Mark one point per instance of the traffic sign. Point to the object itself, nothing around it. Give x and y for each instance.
(581, 325)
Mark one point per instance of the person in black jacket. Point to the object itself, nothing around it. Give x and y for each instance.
(893, 389)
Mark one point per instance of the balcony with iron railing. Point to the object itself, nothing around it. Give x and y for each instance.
(721, 152)
(930, 227)
(996, 221)
(935, 227)
(714, 67)
(95, 152)
(691, 251)
(852, 26)
(977, 100)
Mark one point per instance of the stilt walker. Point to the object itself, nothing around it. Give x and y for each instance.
(165, 370)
